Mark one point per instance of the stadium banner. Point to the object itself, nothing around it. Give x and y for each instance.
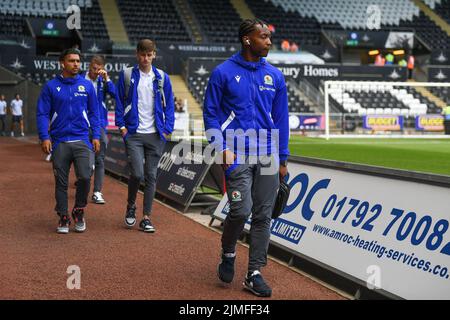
(383, 123)
(440, 57)
(336, 72)
(19, 45)
(175, 54)
(430, 122)
(181, 169)
(179, 182)
(50, 65)
(201, 67)
(327, 53)
(389, 234)
(306, 123)
(116, 159)
(186, 49)
(204, 67)
(373, 39)
(200, 50)
(96, 46)
(439, 74)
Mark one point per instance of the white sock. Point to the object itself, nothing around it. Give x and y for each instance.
(230, 255)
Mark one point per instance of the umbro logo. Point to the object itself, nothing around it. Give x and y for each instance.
(58, 88)
(238, 78)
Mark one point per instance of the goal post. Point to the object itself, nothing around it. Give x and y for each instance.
(385, 109)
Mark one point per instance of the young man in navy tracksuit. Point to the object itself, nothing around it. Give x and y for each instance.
(145, 117)
(67, 110)
(247, 94)
(103, 85)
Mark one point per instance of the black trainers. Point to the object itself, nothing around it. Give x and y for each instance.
(64, 223)
(146, 226)
(255, 283)
(130, 216)
(78, 217)
(225, 270)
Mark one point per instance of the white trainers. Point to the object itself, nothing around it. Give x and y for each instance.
(12, 134)
(22, 134)
(97, 198)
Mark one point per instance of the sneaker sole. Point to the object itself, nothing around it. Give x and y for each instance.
(98, 202)
(263, 295)
(80, 229)
(62, 231)
(130, 225)
(147, 231)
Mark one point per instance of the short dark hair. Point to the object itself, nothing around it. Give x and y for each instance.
(98, 60)
(66, 52)
(248, 26)
(146, 45)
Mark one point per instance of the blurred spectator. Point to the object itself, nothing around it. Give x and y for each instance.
(178, 105)
(3, 113)
(379, 60)
(402, 63)
(446, 113)
(294, 47)
(389, 59)
(285, 46)
(411, 62)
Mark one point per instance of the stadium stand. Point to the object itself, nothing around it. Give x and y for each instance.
(197, 86)
(12, 25)
(442, 93)
(156, 19)
(296, 103)
(289, 24)
(431, 3)
(366, 99)
(442, 8)
(218, 20)
(92, 21)
(348, 14)
(428, 31)
(14, 13)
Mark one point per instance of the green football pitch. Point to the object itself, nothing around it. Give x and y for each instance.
(421, 155)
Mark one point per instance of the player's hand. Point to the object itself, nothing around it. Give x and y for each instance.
(166, 136)
(123, 132)
(104, 74)
(96, 145)
(228, 158)
(46, 146)
(283, 172)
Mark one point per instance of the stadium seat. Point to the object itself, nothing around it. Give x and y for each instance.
(14, 13)
(157, 19)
